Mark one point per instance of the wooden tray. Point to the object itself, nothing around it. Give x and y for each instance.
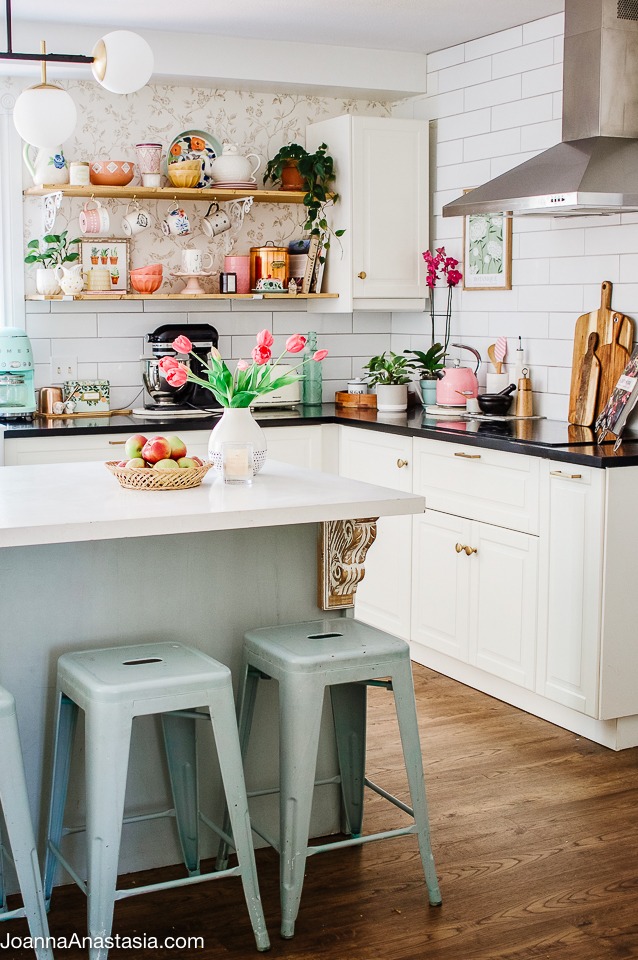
(75, 416)
(344, 399)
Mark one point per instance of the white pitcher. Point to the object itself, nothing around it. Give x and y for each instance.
(46, 164)
(71, 279)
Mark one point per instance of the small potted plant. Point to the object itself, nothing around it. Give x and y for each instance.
(390, 375)
(56, 252)
(294, 168)
(428, 365)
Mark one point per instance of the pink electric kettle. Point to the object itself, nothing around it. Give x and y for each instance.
(457, 383)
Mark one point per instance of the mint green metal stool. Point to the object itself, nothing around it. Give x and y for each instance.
(112, 686)
(15, 807)
(344, 656)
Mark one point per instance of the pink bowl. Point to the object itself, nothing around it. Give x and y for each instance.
(148, 284)
(153, 270)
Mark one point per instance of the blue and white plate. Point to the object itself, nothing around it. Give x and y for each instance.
(196, 145)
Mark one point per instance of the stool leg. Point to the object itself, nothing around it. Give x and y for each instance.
(180, 741)
(300, 706)
(222, 714)
(408, 727)
(108, 738)
(349, 702)
(245, 709)
(65, 724)
(15, 805)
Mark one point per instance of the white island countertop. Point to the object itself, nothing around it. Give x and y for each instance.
(72, 502)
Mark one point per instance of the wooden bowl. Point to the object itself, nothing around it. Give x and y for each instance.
(111, 173)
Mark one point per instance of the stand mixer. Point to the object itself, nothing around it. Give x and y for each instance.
(189, 399)
(17, 393)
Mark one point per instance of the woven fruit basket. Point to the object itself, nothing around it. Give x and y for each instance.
(148, 479)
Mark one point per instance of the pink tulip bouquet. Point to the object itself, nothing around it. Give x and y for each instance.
(249, 380)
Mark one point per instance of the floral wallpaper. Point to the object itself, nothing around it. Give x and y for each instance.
(109, 126)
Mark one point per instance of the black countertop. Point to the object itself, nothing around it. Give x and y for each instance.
(550, 439)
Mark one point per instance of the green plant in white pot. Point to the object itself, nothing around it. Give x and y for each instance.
(427, 365)
(390, 375)
(56, 252)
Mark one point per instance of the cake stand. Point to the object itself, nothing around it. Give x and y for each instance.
(193, 286)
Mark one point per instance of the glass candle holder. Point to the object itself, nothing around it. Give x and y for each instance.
(237, 461)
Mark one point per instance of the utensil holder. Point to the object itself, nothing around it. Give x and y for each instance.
(495, 382)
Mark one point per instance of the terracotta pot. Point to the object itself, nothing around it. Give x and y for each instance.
(291, 179)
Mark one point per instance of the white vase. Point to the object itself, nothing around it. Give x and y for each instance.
(392, 397)
(46, 281)
(237, 425)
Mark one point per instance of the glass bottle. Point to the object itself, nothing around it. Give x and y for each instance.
(311, 393)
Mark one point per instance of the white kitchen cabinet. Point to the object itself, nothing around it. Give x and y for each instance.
(474, 594)
(572, 572)
(296, 445)
(383, 596)
(381, 165)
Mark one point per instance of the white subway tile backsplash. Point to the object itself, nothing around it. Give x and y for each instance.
(465, 75)
(497, 144)
(122, 324)
(442, 59)
(462, 175)
(530, 271)
(463, 125)
(528, 57)
(450, 152)
(552, 26)
(551, 243)
(544, 80)
(493, 44)
(488, 94)
(441, 105)
(584, 269)
(540, 136)
(534, 110)
(62, 325)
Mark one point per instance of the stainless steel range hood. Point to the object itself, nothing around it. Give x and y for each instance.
(595, 168)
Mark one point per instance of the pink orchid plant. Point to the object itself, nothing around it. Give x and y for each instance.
(442, 267)
(249, 380)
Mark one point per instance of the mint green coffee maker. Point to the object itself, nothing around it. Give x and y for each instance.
(17, 393)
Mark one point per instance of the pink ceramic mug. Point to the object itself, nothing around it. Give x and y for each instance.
(95, 221)
(149, 157)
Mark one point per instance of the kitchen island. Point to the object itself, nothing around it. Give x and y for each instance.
(85, 563)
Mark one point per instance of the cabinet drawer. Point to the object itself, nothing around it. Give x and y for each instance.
(487, 485)
(381, 458)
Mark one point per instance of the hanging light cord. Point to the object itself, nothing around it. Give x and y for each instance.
(43, 57)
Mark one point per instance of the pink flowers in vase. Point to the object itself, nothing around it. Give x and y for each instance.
(442, 267)
(249, 380)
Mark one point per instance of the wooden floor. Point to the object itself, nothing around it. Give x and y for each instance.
(535, 835)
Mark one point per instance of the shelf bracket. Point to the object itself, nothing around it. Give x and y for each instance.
(50, 206)
(237, 210)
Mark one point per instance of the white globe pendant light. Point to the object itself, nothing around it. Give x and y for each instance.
(45, 115)
(123, 62)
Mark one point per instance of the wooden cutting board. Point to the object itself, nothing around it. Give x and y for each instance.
(613, 360)
(599, 321)
(582, 404)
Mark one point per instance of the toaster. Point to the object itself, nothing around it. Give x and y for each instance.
(283, 397)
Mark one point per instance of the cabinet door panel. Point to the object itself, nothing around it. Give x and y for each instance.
(298, 446)
(572, 571)
(504, 596)
(441, 584)
(383, 597)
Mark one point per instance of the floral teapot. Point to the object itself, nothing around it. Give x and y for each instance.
(231, 167)
(71, 279)
(46, 165)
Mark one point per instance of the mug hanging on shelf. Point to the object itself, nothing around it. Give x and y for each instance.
(94, 221)
(176, 223)
(215, 221)
(135, 221)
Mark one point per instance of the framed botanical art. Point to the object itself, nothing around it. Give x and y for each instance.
(105, 264)
(487, 251)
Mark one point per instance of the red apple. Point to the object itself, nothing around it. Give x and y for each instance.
(157, 448)
(122, 463)
(187, 462)
(166, 464)
(178, 447)
(133, 446)
(135, 463)
(198, 461)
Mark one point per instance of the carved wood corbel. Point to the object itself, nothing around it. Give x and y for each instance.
(342, 546)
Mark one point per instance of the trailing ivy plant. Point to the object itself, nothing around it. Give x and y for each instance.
(317, 171)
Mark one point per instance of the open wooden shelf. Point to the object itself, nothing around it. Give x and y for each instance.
(131, 192)
(187, 296)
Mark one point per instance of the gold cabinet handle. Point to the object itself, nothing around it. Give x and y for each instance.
(401, 463)
(460, 547)
(565, 476)
(469, 456)
(362, 275)
(116, 443)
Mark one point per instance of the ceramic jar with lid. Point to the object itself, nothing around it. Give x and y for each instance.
(232, 167)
